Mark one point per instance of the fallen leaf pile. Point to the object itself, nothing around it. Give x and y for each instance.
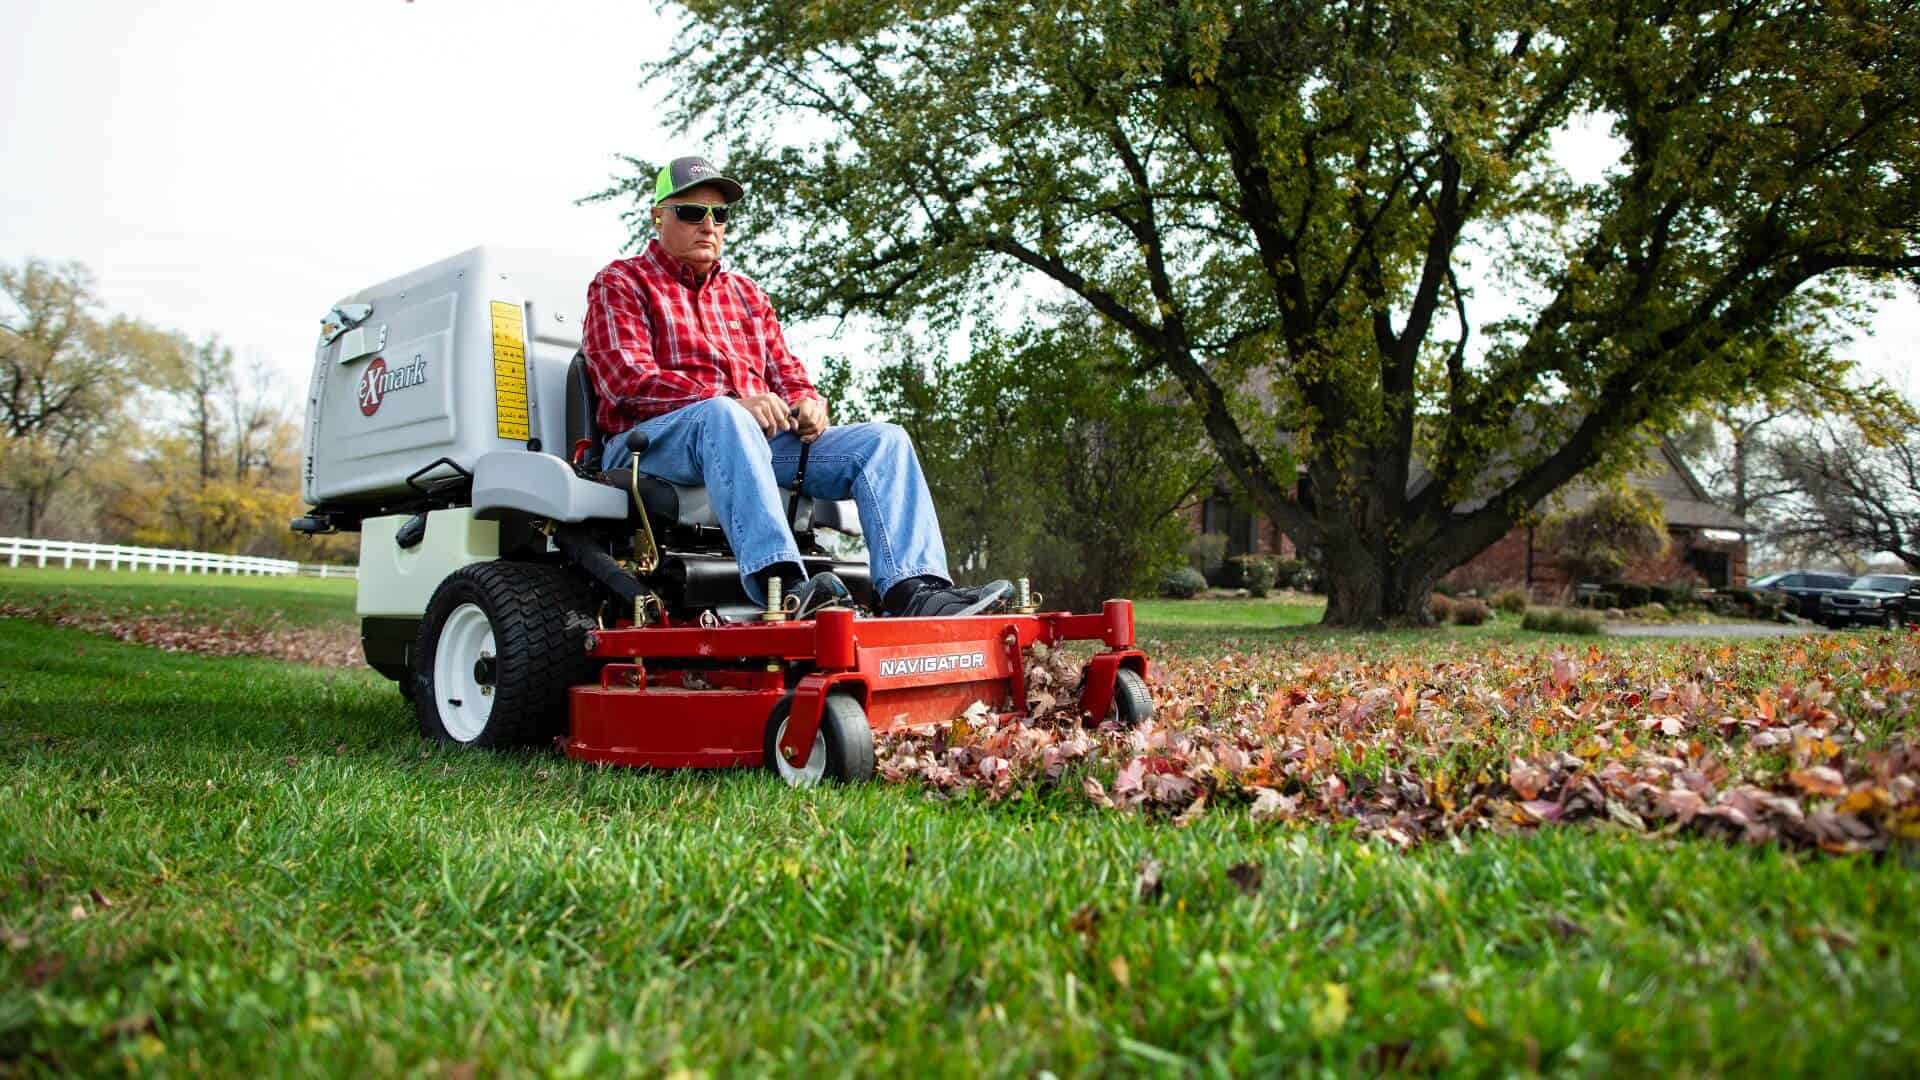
(1809, 744)
(174, 629)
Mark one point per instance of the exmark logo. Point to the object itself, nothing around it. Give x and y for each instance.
(928, 665)
(378, 381)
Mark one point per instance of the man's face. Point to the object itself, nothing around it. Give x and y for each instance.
(697, 245)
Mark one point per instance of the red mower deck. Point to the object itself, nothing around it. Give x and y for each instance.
(905, 673)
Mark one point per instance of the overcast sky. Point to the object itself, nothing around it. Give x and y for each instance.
(235, 167)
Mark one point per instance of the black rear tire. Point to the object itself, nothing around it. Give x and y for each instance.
(536, 618)
(1132, 704)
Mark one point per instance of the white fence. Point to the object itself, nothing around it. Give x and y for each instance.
(17, 551)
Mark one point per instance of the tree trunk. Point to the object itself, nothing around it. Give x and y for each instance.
(1370, 587)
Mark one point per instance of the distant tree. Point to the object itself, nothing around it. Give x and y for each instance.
(1050, 458)
(220, 477)
(1288, 196)
(1856, 495)
(67, 375)
(1599, 540)
(1733, 445)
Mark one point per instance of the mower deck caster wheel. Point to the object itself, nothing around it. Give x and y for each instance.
(1132, 704)
(842, 748)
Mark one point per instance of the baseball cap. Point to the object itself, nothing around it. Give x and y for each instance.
(690, 172)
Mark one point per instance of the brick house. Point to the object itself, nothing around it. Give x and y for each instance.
(1707, 542)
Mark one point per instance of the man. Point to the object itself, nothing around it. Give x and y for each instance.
(692, 355)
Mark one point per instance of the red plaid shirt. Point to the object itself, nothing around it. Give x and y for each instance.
(657, 340)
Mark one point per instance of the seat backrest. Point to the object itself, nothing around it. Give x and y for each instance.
(581, 409)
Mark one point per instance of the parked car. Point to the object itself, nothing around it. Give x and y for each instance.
(1873, 600)
(1803, 589)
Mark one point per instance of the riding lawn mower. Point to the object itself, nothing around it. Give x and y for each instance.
(519, 594)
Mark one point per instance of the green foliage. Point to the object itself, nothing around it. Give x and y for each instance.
(1276, 204)
(1293, 574)
(1595, 542)
(1562, 621)
(1681, 593)
(1046, 458)
(1511, 601)
(1257, 574)
(1631, 594)
(1184, 583)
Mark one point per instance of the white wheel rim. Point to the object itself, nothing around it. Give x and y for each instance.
(816, 768)
(463, 701)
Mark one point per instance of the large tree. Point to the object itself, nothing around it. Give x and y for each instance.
(1341, 226)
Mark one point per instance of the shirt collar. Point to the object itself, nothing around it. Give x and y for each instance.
(676, 269)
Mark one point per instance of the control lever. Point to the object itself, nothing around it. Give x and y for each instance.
(637, 441)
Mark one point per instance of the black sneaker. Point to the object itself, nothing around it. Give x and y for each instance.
(822, 590)
(949, 600)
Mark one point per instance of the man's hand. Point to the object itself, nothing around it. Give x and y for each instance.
(769, 412)
(810, 416)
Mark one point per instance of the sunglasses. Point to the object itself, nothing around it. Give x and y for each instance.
(695, 213)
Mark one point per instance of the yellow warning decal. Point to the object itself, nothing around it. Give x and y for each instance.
(510, 370)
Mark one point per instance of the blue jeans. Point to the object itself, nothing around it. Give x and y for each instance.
(717, 444)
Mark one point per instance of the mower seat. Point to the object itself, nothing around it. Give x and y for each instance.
(682, 504)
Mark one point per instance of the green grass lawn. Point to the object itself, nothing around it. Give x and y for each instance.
(299, 600)
(241, 866)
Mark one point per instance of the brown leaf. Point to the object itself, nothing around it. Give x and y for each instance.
(1118, 966)
(1096, 792)
(1527, 781)
(1818, 780)
(1540, 810)
(1086, 922)
(44, 970)
(1246, 876)
(99, 898)
(1146, 884)
(1192, 813)
(1269, 805)
(1564, 928)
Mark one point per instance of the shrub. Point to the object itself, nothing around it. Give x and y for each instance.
(1446, 588)
(1257, 573)
(1291, 574)
(1682, 593)
(1471, 612)
(1441, 605)
(1560, 621)
(1511, 601)
(1630, 594)
(1184, 584)
(1600, 600)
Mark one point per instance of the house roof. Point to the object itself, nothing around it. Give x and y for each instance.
(1683, 500)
